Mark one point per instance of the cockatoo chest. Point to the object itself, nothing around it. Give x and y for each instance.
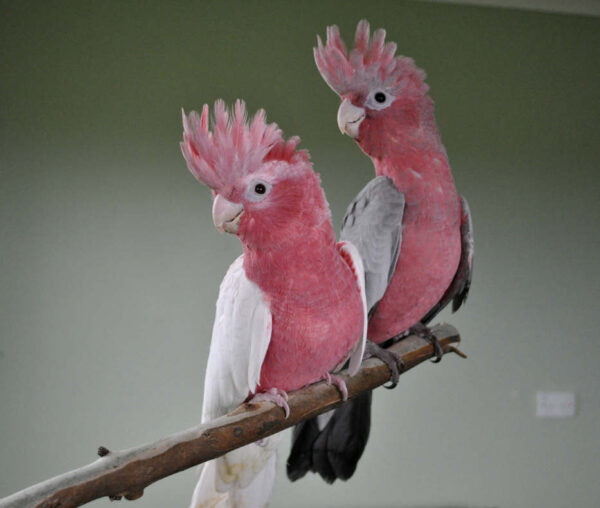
(315, 327)
(430, 250)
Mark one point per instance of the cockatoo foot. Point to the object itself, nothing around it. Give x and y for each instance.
(332, 379)
(425, 332)
(276, 396)
(391, 359)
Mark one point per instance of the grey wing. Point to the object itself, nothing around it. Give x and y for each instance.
(373, 223)
(459, 289)
(465, 270)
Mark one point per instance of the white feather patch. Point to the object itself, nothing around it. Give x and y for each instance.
(359, 271)
(240, 339)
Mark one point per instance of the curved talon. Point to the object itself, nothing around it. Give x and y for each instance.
(393, 361)
(276, 396)
(438, 350)
(339, 382)
(425, 332)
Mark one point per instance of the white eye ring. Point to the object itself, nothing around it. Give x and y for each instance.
(379, 99)
(258, 190)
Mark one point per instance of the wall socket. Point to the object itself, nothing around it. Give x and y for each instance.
(555, 405)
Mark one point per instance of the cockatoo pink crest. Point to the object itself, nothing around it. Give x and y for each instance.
(234, 147)
(371, 62)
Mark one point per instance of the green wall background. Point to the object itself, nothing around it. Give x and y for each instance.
(110, 265)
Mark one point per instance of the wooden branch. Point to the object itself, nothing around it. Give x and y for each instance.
(126, 473)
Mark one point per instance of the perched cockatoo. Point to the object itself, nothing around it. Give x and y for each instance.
(291, 309)
(386, 109)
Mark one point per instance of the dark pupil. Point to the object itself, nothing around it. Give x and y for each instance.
(260, 188)
(380, 97)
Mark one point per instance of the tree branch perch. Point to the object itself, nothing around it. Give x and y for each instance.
(127, 473)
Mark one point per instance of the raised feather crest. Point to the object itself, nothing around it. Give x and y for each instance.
(371, 62)
(235, 146)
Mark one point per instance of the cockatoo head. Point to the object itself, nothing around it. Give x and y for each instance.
(261, 184)
(380, 92)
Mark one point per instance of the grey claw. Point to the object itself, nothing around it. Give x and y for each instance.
(437, 348)
(391, 359)
(425, 332)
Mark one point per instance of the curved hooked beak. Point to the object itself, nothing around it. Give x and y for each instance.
(349, 118)
(226, 215)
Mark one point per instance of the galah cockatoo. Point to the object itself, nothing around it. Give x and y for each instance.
(386, 109)
(291, 309)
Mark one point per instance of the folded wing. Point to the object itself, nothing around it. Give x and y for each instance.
(373, 223)
(240, 339)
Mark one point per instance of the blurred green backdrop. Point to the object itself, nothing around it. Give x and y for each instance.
(110, 264)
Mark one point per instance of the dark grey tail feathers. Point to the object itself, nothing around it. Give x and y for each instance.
(335, 451)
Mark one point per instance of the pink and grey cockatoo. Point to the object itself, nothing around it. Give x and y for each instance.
(386, 109)
(291, 309)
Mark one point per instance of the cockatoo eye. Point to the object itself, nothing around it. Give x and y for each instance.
(257, 190)
(378, 99)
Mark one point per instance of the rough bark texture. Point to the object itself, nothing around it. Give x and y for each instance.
(126, 473)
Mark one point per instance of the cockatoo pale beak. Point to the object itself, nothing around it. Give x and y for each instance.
(226, 215)
(349, 118)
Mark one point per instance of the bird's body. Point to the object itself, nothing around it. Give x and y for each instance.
(386, 109)
(309, 284)
(291, 309)
(314, 300)
(312, 293)
(431, 238)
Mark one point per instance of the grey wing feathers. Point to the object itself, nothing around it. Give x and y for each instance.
(373, 223)
(465, 269)
(459, 288)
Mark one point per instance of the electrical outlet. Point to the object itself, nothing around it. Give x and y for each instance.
(555, 405)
